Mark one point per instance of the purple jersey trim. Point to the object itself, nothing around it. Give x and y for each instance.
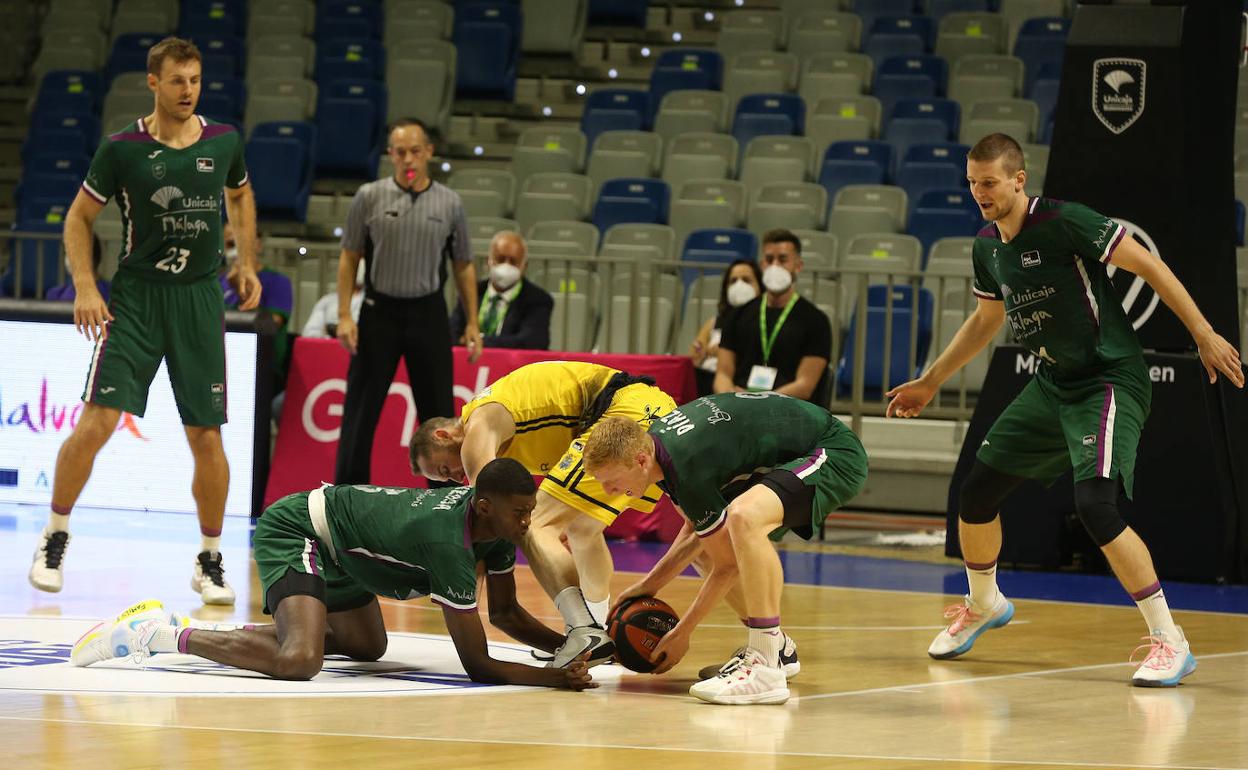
(1109, 253)
(215, 130)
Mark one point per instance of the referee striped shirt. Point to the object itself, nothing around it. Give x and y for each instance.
(406, 237)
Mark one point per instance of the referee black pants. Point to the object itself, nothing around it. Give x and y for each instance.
(417, 330)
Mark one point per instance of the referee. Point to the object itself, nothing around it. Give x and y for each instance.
(405, 228)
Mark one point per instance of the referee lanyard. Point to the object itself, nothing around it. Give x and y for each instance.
(769, 340)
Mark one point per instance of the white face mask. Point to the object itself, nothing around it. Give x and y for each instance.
(231, 254)
(740, 292)
(504, 275)
(777, 279)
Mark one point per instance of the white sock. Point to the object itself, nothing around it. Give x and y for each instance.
(571, 604)
(768, 641)
(1157, 614)
(210, 544)
(983, 583)
(58, 522)
(599, 610)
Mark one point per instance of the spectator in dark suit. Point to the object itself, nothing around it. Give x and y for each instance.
(514, 312)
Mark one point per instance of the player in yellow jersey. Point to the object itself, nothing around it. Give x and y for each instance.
(540, 415)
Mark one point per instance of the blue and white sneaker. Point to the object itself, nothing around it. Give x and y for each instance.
(969, 621)
(124, 636)
(1168, 660)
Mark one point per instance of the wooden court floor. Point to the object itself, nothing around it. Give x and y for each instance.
(1048, 691)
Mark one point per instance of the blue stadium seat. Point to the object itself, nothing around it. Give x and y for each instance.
(215, 20)
(904, 304)
(35, 216)
(355, 19)
(350, 59)
(716, 245)
(768, 115)
(487, 38)
(77, 91)
(626, 201)
(919, 121)
(43, 180)
(48, 163)
(614, 109)
(1044, 94)
(683, 69)
(350, 127)
(280, 161)
(929, 66)
(1040, 41)
(930, 225)
(938, 8)
(1239, 223)
(949, 199)
(222, 99)
(855, 162)
(870, 10)
(932, 166)
(62, 134)
(129, 54)
(919, 26)
(224, 56)
(618, 13)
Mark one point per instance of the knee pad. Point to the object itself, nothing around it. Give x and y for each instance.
(979, 499)
(1096, 502)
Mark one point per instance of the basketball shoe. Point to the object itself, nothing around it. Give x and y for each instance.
(583, 639)
(208, 579)
(47, 573)
(1167, 661)
(788, 661)
(749, 681)
(969, 621)
(126, 635)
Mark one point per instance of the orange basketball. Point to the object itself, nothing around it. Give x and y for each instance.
(636, 629)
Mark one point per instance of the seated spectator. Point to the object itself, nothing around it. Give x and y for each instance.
(323, 320)
(779, 341)
(742, 283)
(277, 298)
(65, 292)
(513, 312)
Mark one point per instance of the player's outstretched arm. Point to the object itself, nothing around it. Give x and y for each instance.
(678, 556)
(910, 398)
(90, 309)
(491, 427)
(469, 637)
(508, 616)
(1216, 353)
(673, 646)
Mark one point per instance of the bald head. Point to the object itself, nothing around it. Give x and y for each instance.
(508, 246)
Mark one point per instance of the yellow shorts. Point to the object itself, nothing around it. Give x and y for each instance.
(569, 483)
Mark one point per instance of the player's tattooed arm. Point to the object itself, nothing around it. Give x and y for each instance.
(508, 616)
(469, 637)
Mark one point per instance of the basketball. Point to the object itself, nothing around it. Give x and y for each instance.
(636, 629)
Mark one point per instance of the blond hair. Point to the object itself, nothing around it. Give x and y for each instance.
(614, 440)
(175, 49)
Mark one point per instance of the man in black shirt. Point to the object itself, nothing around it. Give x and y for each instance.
(779, 341)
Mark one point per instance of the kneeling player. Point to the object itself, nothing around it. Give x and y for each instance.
(741, 467)
(322, 555)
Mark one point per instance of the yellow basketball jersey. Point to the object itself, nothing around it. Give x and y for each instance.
(546, 400)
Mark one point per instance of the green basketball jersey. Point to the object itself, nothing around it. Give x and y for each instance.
(1057, 295)
(406, 543)
(170, 199)
(710, 443)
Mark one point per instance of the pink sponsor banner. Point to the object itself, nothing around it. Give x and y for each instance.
(311, 418)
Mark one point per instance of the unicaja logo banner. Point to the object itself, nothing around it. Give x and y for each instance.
(1138, 298)
(1118, 92)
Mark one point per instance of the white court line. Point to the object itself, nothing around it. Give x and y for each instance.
(995, 677)
(623, 746)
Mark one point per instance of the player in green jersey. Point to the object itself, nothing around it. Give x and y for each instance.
(1041, 264)
(167, 171)
(324, 556)
(741, 467)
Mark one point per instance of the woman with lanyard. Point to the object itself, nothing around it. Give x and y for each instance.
(790, 353)
(742, 283)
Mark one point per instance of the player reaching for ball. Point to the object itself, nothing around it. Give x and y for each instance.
(323, 555)
(741, 467)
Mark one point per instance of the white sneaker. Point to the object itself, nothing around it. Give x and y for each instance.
(115, 639)
(47, 572)
(788, 661)
(209, 580)
(751, 681)
(580, 640)
(969, 621)
(1168, 660)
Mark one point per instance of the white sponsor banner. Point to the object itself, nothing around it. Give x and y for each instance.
(147, 464)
